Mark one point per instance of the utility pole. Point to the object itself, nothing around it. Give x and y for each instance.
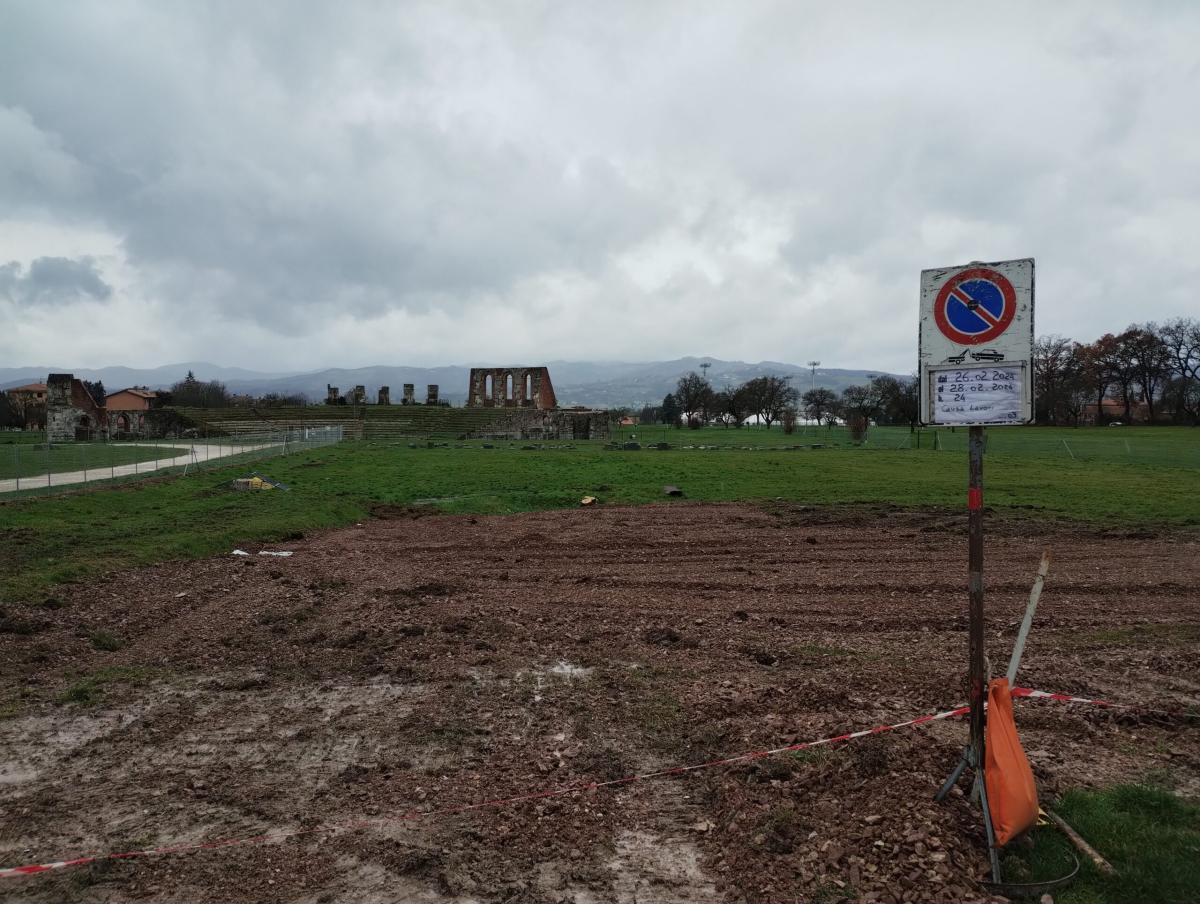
(704, 366)
(814, 365)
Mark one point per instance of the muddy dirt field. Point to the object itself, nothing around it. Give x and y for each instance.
(420, 661)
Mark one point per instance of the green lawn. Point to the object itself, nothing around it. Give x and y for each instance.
(25, 460)
(69, 537)
(1168, 446)
(1151, 838)
(21, 437)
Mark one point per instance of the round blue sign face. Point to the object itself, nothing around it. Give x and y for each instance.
(975, 306)
(988, 301)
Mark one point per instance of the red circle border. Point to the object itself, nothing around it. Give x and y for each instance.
(1006, 317)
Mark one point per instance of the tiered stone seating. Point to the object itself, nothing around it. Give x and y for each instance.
(371, 422)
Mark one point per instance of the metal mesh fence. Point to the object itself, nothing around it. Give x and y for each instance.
(30, 467)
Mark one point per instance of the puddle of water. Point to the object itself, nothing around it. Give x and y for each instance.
(370, 883)
(650, 869)
(567, 670)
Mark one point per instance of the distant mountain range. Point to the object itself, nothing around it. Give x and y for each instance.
(592, 383)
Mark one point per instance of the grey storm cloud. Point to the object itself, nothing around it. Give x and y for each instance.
(632, 173)
(51, 280)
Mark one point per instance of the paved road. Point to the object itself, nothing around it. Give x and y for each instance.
(194, 453)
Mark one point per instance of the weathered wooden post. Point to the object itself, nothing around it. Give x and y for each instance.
(975, 370)
(977, 678)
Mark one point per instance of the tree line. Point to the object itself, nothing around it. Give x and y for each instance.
(1148, 373)
(1151, 371)
(772, 399)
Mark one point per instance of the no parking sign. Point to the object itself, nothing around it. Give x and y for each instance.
(976, 344)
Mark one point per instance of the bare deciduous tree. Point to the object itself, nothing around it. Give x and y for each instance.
(770, 396)
(693, 393)
(819, 403)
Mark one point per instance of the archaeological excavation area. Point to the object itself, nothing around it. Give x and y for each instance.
(352, 700)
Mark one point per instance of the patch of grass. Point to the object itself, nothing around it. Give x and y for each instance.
(88, 690)
(106, 641)
(73, 537)
(828, 892)
(29, 463)
(10, 709)
(815, 756)
(779, 830)
(1141, 635)
(660, 715)
(1151, 837)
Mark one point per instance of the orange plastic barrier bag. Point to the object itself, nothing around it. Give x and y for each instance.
(1011, 791)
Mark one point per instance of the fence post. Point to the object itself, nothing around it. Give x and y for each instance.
(83, 449)
(17, 463)
(47, 447)
(155, 454)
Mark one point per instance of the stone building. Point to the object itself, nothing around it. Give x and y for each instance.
(511, 387)
(126, 409)
(71, 412)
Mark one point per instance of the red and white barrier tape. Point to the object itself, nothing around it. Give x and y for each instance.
(325, 828)
(1062, 698)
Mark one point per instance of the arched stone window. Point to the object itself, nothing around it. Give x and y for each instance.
(508, 387)
(487, 386)
(528, 386)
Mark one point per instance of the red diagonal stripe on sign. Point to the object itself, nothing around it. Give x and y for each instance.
(974, 307)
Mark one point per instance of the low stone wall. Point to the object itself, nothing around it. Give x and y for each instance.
(558, 424)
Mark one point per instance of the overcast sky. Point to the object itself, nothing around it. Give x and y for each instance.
(301, 185)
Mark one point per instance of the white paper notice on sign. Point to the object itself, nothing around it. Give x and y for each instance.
(977, 395)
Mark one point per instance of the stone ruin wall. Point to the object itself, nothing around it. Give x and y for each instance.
(557, 425)
(71, 411)
(531, 388)
(358, 396)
